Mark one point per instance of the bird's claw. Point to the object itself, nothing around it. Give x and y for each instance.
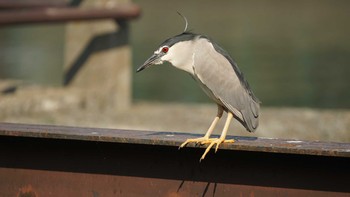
(214, 141)
(210, 141)
(195, 140)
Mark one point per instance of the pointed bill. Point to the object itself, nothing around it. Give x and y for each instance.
(154, 59)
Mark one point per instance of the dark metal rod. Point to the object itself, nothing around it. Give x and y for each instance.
(50, 15)
(13, 4)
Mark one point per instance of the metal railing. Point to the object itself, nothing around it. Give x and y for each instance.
(15, 13)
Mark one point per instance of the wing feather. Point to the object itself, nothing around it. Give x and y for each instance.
(220, 74)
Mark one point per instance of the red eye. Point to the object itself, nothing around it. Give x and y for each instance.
(165, 49)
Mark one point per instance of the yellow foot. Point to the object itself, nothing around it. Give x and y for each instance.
(195, 140)
(204, 140)
(212, 142)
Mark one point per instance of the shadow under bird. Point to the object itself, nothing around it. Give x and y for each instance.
(217, 74)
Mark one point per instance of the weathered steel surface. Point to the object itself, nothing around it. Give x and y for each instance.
(174, 139)
(64, 14)
(67, 161)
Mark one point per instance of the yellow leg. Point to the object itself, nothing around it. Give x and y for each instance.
(220, 140)
(208, 133)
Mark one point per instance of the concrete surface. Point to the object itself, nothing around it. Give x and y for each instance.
(98, 56)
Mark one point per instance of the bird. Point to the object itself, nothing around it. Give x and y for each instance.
(219, 77)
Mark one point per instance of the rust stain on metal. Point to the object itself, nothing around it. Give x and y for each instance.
(27, 191)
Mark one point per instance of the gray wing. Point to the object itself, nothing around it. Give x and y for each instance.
(221, 75)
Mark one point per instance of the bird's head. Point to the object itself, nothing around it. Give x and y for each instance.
(177, 50)
(158, 57)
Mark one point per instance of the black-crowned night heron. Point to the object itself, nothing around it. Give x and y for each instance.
(217, 74)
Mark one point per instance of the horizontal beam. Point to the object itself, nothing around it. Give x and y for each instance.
(73, 161)
(175, 139)
(67, 14)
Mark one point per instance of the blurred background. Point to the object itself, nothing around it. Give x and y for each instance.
(295, 55)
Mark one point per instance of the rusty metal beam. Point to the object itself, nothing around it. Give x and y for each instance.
(69, 161)
(65, 14)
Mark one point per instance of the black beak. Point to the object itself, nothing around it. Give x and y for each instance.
(148, 62)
